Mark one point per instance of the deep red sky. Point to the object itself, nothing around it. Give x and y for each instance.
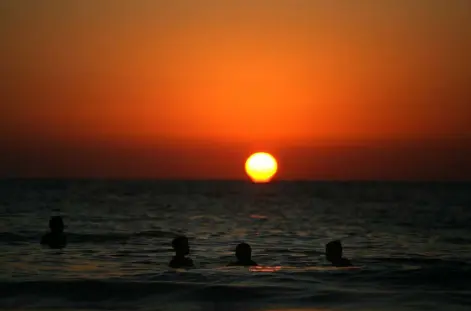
(188, 89)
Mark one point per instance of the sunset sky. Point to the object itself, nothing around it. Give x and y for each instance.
(377, 89)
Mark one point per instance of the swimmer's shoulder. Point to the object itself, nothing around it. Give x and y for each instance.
(242, 264)
(54, 241)
(181, 263)
(344, 262)
(45, 238)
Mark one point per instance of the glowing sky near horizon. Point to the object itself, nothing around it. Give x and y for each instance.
(189, 89)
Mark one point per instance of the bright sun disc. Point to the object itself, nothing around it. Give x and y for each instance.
(261, 167)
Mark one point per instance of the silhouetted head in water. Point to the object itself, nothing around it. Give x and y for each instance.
(56, 224)
(243, 254)
(182, 248)
(56, 238)
(334, 254)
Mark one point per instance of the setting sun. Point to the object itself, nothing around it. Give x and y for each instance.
(261, 167)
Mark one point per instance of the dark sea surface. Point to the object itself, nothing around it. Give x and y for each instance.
(411, 243)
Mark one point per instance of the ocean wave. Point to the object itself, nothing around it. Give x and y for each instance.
(420, 261)
(445, 277)
(280, 280)
(126, 290)
(9, 238)
(225, 288)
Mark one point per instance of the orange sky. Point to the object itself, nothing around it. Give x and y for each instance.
(187, 89)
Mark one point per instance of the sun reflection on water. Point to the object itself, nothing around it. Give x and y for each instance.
(264, 269)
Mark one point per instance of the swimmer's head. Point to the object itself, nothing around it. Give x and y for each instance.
(181, 246)
(56, 224)
(243, 252)
(333, 250)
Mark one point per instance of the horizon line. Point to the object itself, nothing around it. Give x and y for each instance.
(156, 179)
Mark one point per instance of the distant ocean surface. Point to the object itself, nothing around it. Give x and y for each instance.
(411, 242)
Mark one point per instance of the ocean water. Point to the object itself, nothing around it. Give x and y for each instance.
(410, 242)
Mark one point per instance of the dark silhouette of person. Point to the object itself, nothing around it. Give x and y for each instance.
(182, 249)
(56, 238)
(243, 254)
(334, 254)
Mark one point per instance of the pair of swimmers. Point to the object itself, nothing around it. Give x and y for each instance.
(182, 250)
(57, 239)
(243, 253)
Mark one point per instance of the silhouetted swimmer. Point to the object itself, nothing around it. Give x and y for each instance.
(56, 238)
(334, 254)
(182, 248)
(243, 253)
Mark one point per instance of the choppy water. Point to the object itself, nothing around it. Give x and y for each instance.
(412, 243)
